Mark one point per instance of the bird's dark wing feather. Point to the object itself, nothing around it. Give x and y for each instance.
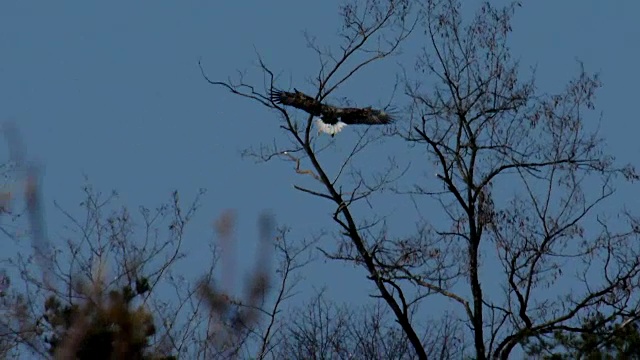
(366, 116)
(330, 114)
(298, 100)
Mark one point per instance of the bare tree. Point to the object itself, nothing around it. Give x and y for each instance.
(104, 256)
(113, 271)
(321, 329)
(246, 327)
(486, 129)
(373, 30)
(483, 128)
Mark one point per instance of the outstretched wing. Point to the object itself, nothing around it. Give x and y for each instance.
(331, 114)
(298, 100)
(365, 116)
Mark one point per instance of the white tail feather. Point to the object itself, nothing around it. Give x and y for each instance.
(329, 128)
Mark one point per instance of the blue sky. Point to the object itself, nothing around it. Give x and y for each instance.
(113, 91)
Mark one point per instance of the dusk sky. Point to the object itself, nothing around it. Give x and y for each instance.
(112, 90)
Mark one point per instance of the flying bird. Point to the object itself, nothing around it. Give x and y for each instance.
(330, 119)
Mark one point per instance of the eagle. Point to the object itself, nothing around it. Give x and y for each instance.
(330, 119)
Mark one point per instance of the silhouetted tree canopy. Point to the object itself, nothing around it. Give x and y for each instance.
(110, 328)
